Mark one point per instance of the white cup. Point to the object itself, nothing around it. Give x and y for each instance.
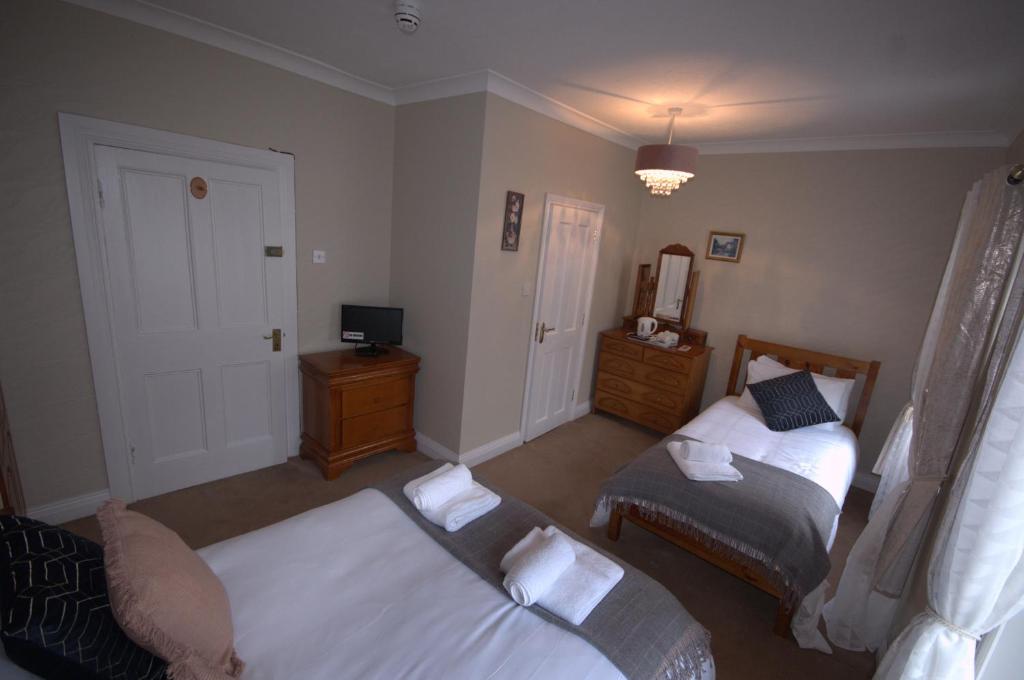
(645, 326)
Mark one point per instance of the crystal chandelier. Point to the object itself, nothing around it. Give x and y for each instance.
(665, 167)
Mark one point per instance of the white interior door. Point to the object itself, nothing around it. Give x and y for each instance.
(192, 297)
(565, 281)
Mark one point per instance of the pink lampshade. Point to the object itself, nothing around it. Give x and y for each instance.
(667, 157)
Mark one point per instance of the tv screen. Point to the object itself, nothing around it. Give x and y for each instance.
(367, 325)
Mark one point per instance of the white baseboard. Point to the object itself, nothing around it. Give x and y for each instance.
(491, 449)
(472, 457)
(581, 409)
(69, 508)
(428, 446)
(866, 481)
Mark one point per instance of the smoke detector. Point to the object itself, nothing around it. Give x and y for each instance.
(407, 15)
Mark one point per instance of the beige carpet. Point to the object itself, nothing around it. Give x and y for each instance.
(558, 473)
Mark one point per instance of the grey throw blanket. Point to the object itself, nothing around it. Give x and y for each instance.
(639, 626)
(774, 520)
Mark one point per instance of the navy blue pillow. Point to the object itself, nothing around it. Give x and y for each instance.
(55, 617)
(791, 401)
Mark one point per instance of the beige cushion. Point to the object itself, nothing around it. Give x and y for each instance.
(165, 597)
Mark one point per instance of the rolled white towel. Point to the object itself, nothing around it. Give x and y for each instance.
(581, 587)
(466, 506)
(706, 472)
(701, 452)
(433, 493)
(411, 486)
(538, 567)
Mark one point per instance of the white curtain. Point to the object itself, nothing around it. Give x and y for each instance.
(954, 370)
(976, 575)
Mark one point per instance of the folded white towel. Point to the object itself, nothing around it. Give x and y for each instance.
(468, 505)
(537, 568)
(701, 452)
(410, 488)
(705, 472)
(434, 492)
(461, 509)
(581, 587)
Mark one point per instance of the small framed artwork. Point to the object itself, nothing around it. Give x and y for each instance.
(725, 246)
(513, 220)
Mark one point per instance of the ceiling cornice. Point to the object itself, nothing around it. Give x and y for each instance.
(142, 12)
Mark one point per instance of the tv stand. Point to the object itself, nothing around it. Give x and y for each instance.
(370, 350)
(355, 406)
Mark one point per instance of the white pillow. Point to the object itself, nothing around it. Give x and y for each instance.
(836, 391)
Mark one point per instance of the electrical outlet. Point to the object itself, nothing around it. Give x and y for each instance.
(319, 256)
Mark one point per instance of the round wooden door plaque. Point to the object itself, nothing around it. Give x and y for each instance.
(198, 187)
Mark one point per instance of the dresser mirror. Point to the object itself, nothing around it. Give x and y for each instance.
(671, 298)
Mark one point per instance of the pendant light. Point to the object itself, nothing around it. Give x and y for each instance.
(664, 167)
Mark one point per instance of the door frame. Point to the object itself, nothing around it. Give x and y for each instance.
(550, 199)
(79, 135)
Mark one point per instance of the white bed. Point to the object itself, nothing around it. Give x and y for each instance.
(355, 589)
(827, 457)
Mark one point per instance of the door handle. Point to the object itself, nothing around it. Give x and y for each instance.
(276, 337)
(544, 330)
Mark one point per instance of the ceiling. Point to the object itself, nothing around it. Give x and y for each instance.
(741, 71)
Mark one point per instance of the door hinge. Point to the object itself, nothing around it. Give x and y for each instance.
(99, 191)
(131, 453)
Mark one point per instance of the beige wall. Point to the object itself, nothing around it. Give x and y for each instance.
(438, 148)
(527, 152)
(844, 253)
(59, 57)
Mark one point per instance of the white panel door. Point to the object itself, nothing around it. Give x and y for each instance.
(192, 298)
(572, 231)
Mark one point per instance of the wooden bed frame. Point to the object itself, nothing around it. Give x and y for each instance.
(794, 357)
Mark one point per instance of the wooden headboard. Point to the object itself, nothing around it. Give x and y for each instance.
(815, 362)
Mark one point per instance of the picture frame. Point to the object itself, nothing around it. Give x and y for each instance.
(514, 202)
(725, 246)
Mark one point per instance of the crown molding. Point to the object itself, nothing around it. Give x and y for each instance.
(922, 140)
(143, 12)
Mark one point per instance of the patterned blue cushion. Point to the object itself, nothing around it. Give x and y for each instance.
(791, 401)
(56, 619)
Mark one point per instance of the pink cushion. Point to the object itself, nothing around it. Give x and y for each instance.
(165, 597)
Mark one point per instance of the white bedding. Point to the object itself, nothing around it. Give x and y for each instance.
(355, 589)
(826, 457)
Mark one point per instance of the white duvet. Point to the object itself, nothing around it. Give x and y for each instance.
(355, 589)
(827, 457)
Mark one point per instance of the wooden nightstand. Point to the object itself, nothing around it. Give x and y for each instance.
(657, 387)
(356, 406)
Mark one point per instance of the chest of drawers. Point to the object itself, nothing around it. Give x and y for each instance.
(653, 386)
(355, 406)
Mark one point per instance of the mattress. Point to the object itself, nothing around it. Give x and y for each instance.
(827, 457)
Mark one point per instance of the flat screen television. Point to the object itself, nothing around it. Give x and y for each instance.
(371, 326)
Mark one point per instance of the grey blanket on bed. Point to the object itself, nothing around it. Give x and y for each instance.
(773, 520)
(639, 626)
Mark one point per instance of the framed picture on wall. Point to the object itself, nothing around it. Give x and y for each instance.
(724, 246)
(513, 220)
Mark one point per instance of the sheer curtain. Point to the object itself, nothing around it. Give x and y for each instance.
(976, 575)
(955, 372)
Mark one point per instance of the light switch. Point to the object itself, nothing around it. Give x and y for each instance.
(319, 256)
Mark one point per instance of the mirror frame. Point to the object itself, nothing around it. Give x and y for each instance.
(675, 249)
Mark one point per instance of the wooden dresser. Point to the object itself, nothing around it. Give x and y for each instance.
(653, 386)
(356, 406)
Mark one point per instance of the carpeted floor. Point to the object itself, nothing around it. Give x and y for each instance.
(558, 473)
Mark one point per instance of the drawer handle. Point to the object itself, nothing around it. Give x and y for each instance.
(617, 385)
